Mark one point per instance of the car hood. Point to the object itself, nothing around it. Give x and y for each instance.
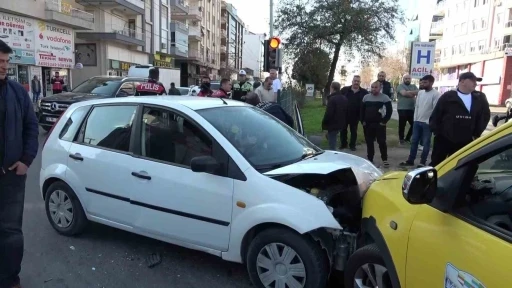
(72, 97)
(329, 161)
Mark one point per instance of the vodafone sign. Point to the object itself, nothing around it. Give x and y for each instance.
(54, 45)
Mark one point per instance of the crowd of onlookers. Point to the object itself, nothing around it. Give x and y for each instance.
(455, 118)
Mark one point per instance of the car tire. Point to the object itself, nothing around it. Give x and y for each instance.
(59, 199)
(364, 260)
(309, 258)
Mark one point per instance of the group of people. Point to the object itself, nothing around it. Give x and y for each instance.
(455, 118)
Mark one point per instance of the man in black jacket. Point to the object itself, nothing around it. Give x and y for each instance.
(335, 117)
(18, 148)
(385, 85)
(459, 117)
(354, 95)
(271, 108)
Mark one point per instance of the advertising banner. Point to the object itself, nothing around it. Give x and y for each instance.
(18, 32)
(54, 45)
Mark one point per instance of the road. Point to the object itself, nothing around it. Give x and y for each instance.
(107, 257)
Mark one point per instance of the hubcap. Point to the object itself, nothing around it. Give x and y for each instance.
(372, 276)
(279, 266)
(61, 208)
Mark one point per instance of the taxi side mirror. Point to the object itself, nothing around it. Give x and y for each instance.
(420, 185)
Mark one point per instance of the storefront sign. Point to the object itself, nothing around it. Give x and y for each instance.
(54, 46)
(120, 65)
(18, 32)
(161, 60)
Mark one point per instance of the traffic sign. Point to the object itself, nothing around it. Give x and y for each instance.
(310, 90)
(422, 59)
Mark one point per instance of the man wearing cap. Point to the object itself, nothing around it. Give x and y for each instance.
(241, 88)
(460, 116)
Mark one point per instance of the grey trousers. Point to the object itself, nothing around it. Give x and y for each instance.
(12, 198)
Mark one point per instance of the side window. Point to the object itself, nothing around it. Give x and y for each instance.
(171, 138)
(69, 130)
(127, 89)
(110, 127)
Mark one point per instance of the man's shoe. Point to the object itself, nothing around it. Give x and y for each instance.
(385, 163)
(406, 163)
(402, 142)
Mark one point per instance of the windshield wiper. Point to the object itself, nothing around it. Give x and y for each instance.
(308, 155)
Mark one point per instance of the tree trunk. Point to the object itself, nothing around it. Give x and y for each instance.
(332, 70)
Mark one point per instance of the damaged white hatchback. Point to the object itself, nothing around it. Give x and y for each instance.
(209, 174)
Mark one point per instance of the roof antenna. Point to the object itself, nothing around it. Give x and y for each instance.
(225, 103)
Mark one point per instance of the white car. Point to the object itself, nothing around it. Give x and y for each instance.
(214, 175)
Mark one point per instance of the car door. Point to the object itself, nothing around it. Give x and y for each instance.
(470, 244)
(101, 163)
(175, 202)
(126, 89)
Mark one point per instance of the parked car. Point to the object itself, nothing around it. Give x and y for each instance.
(51, 107)
(183, 90)
(201, 173)
(448, 226)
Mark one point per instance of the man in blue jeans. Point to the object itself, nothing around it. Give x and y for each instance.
(425, 103)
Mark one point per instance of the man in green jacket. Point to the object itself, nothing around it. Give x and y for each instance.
(241, 88)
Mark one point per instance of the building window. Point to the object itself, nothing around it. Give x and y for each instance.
(474, 25)
(462, 49)
(472, 47)
(164, 28)
(466, 4)
(456, 29)
(454, 52)
(484, 23)
(499, 18)
(497, 42)
(477, 3)
(148, 10)
(445, 52)
(484, 2)
(481, 45)
(463, 28)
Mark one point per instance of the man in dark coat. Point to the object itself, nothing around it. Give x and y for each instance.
(386, 89)
(335, 117)
(354, 96)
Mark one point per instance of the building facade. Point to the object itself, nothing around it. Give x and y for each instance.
(473, 35)
(43, 38)
(203, 22)
(232, 41)
(252, 55)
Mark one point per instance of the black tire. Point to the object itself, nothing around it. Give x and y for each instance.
(79, 220)
(312, 256)
(369, 254)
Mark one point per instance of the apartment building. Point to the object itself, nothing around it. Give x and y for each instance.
(252, 53)
(203, 22)
(42, 35)
(473, 35)
(231, 41)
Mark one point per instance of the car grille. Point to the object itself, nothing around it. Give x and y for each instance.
(55, 108)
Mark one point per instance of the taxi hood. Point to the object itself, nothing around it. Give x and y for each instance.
(331, 161)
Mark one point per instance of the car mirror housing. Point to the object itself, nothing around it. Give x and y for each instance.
(420, 185)
(206, 164)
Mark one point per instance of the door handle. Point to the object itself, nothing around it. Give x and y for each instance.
(141, 176)
(76, 156)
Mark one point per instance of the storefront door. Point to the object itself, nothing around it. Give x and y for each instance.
(23, 76)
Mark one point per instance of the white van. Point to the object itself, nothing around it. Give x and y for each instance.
(167, 75)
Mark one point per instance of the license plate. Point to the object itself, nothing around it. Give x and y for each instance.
(51, 119)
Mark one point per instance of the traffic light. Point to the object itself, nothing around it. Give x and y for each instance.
(272, 54)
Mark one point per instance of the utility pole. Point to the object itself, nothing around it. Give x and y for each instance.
(271, 19)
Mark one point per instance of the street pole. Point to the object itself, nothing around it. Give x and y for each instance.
(271, 18)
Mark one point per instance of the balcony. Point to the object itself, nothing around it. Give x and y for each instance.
(177, 26)
(440, 8)
(62, 13)
(194, 33)
(484, 54)
(119, 34)
(194, 13)
(223, 33)
(129, 7)
(179, 6)
(508, 28)
(195, 55)
(177, 52)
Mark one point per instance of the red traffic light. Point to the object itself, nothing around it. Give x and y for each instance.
(274, 42)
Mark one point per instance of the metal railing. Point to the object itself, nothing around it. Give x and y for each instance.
(68, 9)
(288, 102)
(125, 31)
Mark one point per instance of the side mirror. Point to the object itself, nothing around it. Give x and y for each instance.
(420, 185)
(206, 164)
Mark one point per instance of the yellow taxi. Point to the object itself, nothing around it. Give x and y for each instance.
(448, 226)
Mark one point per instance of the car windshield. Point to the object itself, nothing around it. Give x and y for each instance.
(264, 141)
(100, 86)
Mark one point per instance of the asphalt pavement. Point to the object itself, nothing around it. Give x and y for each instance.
(107, 257)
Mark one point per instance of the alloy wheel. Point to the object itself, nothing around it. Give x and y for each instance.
(372, 276)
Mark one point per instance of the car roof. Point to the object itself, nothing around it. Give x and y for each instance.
(191, 102)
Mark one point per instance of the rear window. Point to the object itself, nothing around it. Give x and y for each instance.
(100, 86)
(71, 127)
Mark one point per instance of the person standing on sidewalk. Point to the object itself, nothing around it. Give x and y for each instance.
(459, 117)
(36, 89)
(406, 95)
(425, 103)
(385, 85)
(354, 95)
(376, 111)
(335, 117)
(18, 148)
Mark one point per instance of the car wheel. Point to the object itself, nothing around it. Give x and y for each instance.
(64, 210)
(282, 258)
(366, 268)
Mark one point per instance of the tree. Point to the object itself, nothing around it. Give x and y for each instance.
(366, 74)
(312, 67)
(362, 25)
(394, 63)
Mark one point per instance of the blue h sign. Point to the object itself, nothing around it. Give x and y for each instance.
(418, 58)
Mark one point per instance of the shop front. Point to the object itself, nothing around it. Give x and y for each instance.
(162, 60)
(119, 68)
